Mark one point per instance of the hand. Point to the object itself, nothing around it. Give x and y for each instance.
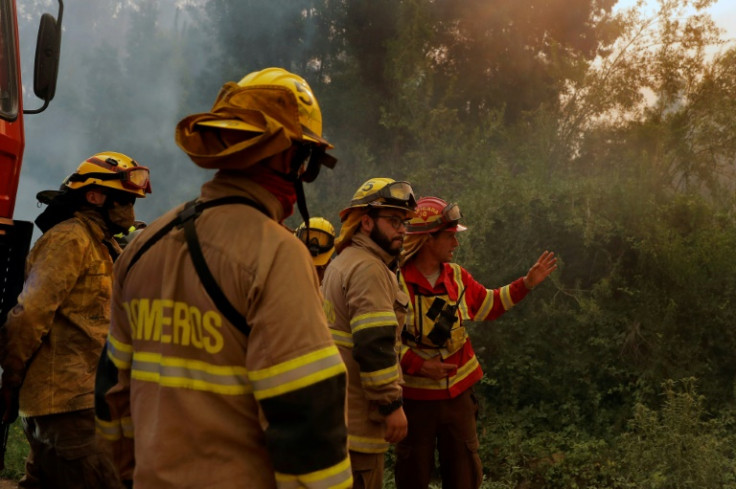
(546, 264)
(435, 369)
(396, 426)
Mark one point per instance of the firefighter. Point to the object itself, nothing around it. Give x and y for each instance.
(320, 241)
(364, 308)
(219, 368)
(53, 337)
(437, 359)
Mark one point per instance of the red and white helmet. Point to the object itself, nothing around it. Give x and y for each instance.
(433, 215)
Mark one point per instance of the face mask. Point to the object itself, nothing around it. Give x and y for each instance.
(122, 216)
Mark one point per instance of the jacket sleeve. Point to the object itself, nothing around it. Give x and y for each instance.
(112, 387)
(297, 374)
(373, 325)
(489, 304)
(54, 265)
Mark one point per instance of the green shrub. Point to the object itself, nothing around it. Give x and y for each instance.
(677, 447)
(15, 454)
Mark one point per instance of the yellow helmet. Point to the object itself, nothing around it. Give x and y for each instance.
(310, 115)
(111, 170)
(320, 239)
(383, 192)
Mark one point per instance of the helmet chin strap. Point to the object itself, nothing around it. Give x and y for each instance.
(301, 200)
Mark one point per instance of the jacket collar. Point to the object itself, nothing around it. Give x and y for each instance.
(94, 222)
(444, 283)
(227, 183)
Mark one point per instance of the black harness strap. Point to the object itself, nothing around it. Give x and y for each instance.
(185, 219)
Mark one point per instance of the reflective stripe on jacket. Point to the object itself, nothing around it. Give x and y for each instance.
(476, 304)
(364, 308)
(61, 319)
(202, 404)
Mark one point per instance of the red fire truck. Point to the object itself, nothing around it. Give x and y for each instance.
(15, 236)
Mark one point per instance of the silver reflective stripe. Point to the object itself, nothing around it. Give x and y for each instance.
(190, 374)
(297, 373)
(373, 320)
(336, 477)
(119, 353)
(342, 338)
(367, 445)
(380, 377)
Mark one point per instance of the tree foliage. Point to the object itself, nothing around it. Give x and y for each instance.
(605, 136)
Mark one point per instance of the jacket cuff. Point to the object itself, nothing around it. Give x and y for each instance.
(386, 409)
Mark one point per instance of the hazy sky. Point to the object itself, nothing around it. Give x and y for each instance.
(56, 141)
(723, 12)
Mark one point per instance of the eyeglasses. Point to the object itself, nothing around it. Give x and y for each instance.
(317, 241)
(133, 178)
(395, 193)
(395, 221)
(450, 216)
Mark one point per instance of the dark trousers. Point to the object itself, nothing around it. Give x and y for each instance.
(449, 426)
(64, 453)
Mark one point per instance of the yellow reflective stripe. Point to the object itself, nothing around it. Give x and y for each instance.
(457, 275)
(485, 307)
(404, 350)
(119, 353)
(109, 430)
(373, 320)
(336, 477)
(409, 321)
(297, 373)
(114, 430)
(364, 444)
(380, 377)
(442, 384)
(127, 424)
(190, 374)
(342, 338)
(506, 297)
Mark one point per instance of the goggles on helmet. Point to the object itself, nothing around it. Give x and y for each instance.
(133, 178)
(395, 193)
(308, 161)
(450, 216)
(317, 241)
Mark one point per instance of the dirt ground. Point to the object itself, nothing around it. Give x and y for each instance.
(8, 484)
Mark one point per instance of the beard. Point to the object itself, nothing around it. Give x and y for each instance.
(390, 246)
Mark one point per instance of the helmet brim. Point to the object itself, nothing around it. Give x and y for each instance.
(233, 124)
(458, 228)
(238, 125)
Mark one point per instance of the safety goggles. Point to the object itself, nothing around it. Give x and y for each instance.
(133, 178)
(449, 217)
(308, 161)
(317, 241)
(395, 193)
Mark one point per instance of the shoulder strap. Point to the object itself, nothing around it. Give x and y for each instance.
(185, 218)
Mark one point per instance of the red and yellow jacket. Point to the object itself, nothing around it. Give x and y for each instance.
(476, 304)
(189, 400)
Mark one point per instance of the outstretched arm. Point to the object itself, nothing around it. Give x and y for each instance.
(546, 264)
